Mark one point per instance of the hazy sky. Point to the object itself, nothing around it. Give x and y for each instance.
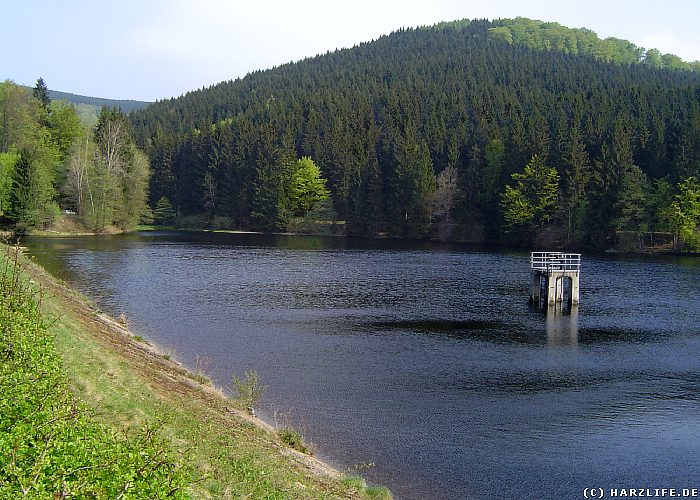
(154, 49)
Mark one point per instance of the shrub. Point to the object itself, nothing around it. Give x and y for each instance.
(249, 390)
(293, 439)
(359, 486)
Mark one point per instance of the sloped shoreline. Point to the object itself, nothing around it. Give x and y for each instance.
(130, 381)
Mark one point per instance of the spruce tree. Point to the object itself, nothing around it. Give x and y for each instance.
(41, 94)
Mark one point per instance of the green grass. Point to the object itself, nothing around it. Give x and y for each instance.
(359, 485)
(153, 227)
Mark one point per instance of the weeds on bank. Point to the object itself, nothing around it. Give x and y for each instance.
(288, 433)
(201, 367)
(359, 485)
(249, 390)
(294, 440)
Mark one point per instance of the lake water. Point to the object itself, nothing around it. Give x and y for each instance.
(422, 364)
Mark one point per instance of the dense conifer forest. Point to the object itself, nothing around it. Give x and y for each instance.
(466, 130)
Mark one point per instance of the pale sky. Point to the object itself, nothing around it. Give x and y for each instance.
(156, 49)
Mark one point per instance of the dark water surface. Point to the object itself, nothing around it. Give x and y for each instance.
(425, 360)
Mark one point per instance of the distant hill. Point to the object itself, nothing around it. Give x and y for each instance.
(126, 106)
(89, 107)
(427, 126)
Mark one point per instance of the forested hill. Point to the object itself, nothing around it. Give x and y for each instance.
(427, 132)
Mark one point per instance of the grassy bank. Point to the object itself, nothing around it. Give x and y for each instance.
(128, 387)
(51, 444)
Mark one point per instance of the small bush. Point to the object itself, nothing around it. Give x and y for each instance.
(199, 221)
(220, 222)
(378, 493)
(359, 486)
(200, 378)
(249, 390)
(354, 482)
(293, 439)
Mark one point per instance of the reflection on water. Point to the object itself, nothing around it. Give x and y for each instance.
(425, 359)
(562, 325)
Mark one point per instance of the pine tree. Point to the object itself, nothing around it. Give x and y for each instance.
(163, 213)
(576, 173)
(21, 195)
(41, 94)
(632, 203)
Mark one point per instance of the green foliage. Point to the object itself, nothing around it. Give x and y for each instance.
(411, 186)
(65, 127)
(320, 220)
(491, 180)
(502, 33)
(307, 187)
(293, 439)
(529, 203)
(660, 198)
(632, 201)
(7, 175)
(359, 486)
(164, 213)
(249, 389)
(50, 444)
(553, 36)
(134, 189)
(105, 180)
(652, 58)
(378, 493)
(41, 94)
(32, 198)
(88, 108)
(270, 202)
(108, 178)
(684, 213)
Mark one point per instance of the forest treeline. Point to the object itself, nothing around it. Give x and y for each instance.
(51, 162)
(448, 132)
(553, 36)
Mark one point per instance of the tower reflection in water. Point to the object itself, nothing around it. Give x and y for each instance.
(561, 325)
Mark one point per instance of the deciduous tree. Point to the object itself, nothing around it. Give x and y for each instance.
(528, 203)
(308, 187)
(684, 214)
